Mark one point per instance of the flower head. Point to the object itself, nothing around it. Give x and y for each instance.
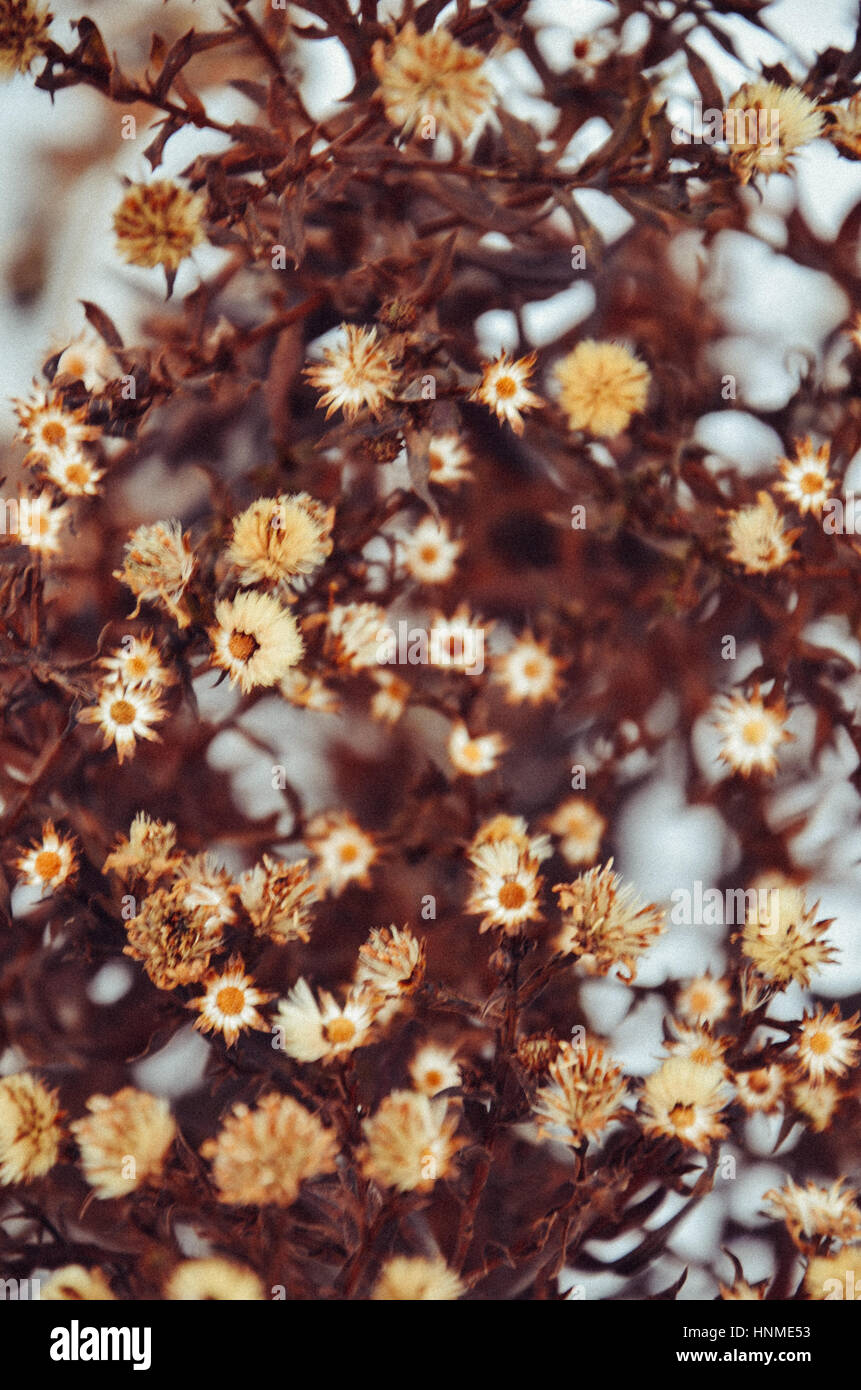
(213, 1278)
(433, 1069)
(431, 77)
(527, 671)
(825, 1045)
(256, 640)
(429, 553)
(817, 1102)
(506, 886)
(353, 632)
(782, 936)
(278, 899)
(409, 1142)
(757, 539)
(685, 1100)
(704, 1000)
(357, 373)
(261, 1157)
(50, 862)
(830, 1276)
(124, 714)
(157, 567)
(391, 962)
(760, 1090)
(344, 852)
(765, 124)
(159, 223)
(281, 538)
(601, 386)
(137, 663)
(504, 389)
(229, 1004)
(474, 756)
(845, 128)
(124, 1140)
(30, 1133)
(585, 1093)
(174, 940)
(751, 733)
(581, 827)
(604, 924)
(812, 1212)
(23, 34)
(806, 482)
(88, 359)
(149, 852)
(416, 1280)
(448, 460)
(40, 522)
(52, 432)
(75, 1284)
(313, 1031)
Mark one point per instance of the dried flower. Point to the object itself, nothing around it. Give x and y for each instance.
(344, 851)
(433, 1069)
(50, 862)
(157, 567)
(704, 1000)
(124, 714)
(782, 936)
(149, 852)
(261, 1157)
(831, 1276)
(825, 1045)
(137, 662)
(813, 1212)
(213, 1278)
(23, 34)
(358, 373)
(278, 899)
(817, 1101)
(757, 539)
(42, 523)
(528, 672)
(75, 1284)
(448, 461)
(89, 360)
(581, 828)
(506, 886)
(474, 756)
(806, 482)
(765, 124)
(685, 1100)
(410, 1142)
(159, 223)
(354, 631)
(30, 1132)
(124, 1140)
(281, 538)
(256, 640)
(429, 553)
(229, 1004)
(175, 941)
(417, 1280)
(314, 1032)
(751, 732)
(601, 386)
(760, 1089)
(391, 962)
(504, 389)
(585, 1093)
(431, 78)
(604, 924)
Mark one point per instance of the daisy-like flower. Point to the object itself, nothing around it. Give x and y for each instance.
(416, 1280)
(751, 732)
(698, 1045)
(504, 389)
(845, 129)
(585, 1094)
(281, 538)
(204, 883)
(23, 35)
(157, 566)
(685, 1101)
(432, 77)
(581, 827)
(826, 1274)
(704, 1000)
(433, 1069)
(457, 643)
(502, 827)
(604, 924)
(75, 1284)
(73, 473)
(782, 936)
(813, 1212)
(229, 1004)
(528, 672)
(353, 632)
(760, 1090)
(601, 386)
(474, 756)
(261, 1157)
(391, 962)
(409, 1142)
(806, 482)
(315, 1032)
(817, 1102)
(356, 374)
(506, 886)
(448, 461)
(256, 640)
(125, 714)
(278, 899)
(429, 553)
(213, 1279)
(88, 359)
(390, 700)
(765, 124)
(40, 522)
(149, 852)
(825, 1045)
(30, 1132)
(159, 223)
(49, 862)
(137, 662)
(344, 852)
(757, 539)
(124, 1140)
(174, 940)
(49, 429)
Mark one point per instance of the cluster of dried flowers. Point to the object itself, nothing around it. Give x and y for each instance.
(401, 1099)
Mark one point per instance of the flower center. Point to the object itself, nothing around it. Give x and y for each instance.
(700, 1001)
(506, 387)
(819, 1042)
(532, 668)
(429, 554)
(433, 1079)
(230, 1000)
(242, 646)
(348, 854)
(754, 731)
(54, 432)
(682, 1116)
(47, 863)
(758, 1081)
(811, 482)
(702, 1056)
(77, 473)
(512, 895)
(340, 1030)
(122, 712)
(136, 666)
